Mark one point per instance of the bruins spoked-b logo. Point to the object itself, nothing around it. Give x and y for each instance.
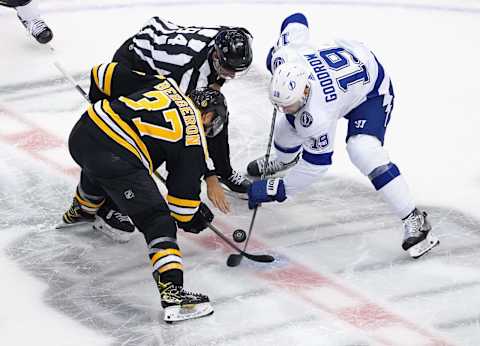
(306, 119)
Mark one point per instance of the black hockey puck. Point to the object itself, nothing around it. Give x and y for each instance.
(239, 235)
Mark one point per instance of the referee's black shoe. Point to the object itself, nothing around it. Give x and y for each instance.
(236, 182)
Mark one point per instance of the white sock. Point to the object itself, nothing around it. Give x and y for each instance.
(29, 12)
(397, 194)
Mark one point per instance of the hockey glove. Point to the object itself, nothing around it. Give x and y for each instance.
(199, 222)
(266, 191)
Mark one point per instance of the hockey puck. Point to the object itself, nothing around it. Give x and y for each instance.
(239, 235)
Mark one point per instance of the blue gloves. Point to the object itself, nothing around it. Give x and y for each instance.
(268, 190)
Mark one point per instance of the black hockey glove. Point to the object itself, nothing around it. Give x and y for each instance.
(199, 222)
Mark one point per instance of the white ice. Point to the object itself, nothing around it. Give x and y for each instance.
(340, 277)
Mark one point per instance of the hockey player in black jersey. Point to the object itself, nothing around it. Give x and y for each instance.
(29, 16)
(120, 141)
(196, 57)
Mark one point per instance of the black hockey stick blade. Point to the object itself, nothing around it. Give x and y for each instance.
(234, 260)
(255, 258)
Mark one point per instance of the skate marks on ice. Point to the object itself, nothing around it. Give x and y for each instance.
(108, 287)
(344, 228)
(340, 229)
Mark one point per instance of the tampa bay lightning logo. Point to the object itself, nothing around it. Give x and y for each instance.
(306, 119)
(278, 61)
(291, 85)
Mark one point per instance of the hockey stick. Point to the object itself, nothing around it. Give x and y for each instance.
(255, 258)
(68, 76)
(235, 259)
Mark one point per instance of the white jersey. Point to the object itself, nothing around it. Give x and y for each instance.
(343, 74)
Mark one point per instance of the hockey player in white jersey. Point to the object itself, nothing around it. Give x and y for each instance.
(312, 87)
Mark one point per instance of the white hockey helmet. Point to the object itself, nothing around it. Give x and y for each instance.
(290, 87)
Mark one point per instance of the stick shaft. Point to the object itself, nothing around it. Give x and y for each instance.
(267, 157)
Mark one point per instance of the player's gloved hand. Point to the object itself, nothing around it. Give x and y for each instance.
(268, 190)
(199, 222)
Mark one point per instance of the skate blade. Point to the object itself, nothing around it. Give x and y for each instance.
(64, 225)
(239, 195)
(424, 246)
(114, 234)
(179, 313)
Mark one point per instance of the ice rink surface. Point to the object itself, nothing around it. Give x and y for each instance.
(340, 278)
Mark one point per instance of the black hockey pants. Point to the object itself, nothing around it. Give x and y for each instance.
(128, 184)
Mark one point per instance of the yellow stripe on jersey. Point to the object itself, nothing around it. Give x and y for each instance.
(108, 78)
(163, 253)
(89, 204)
(181, 218)
(104, 127)
(170, 266)
(104, 81)
(132, 134)
(181, 202)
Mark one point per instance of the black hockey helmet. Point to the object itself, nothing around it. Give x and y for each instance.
(233, 49)
(210, 100)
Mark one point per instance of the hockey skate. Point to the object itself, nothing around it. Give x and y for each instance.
(76, 216)
(180, 305)
(417, 239)
(257, 167)
(236, 183)
(113, 224)
(38, 29)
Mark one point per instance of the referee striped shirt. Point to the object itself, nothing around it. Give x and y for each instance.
(178, 52)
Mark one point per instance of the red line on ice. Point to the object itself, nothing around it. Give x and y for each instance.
(293, 277)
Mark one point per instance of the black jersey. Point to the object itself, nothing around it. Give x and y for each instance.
(178, 52)
(148, 119)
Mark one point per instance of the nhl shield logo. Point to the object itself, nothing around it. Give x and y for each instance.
(128, 194)
(306, 119)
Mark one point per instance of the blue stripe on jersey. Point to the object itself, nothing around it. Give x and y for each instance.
(294, 18)
(269, 60)
(387, 174)
(291, 119)
(390, 89)
(286, 150)
(323, 159)
(380, 77)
